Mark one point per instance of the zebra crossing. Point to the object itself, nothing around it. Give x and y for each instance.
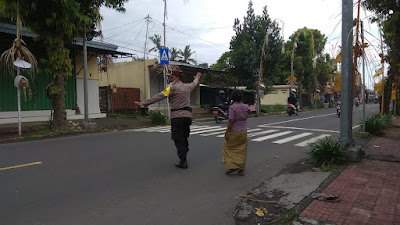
(300, 137)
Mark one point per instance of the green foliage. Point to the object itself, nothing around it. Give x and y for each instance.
(157, 117)
(156, 39)
(224, 63)
(273, 108)
(186, 53)
(290, 214)
(247, 46)
(330, 104)
(376, 124)
(310, 44)
(327, 167)
(327, 151)
(320, 105)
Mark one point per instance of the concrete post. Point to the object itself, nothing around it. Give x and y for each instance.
(347, 74)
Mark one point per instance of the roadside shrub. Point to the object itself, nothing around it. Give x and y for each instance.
(327, 152)
(157, 117)
(330, 104)
(376, 123)
(320, 105)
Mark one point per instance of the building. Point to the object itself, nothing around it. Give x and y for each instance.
(35, 104)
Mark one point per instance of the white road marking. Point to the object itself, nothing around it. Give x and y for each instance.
(287, 121)
(213, 133)
(248, 131)
(151, 129)
(312, 140)
(272, 136)
(205, 130)
(300, 128)
(292, 138)
(261, 132)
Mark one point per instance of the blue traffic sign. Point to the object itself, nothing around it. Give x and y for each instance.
(164, 57)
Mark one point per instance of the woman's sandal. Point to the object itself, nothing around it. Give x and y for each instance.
(241, 172)
(230, 171)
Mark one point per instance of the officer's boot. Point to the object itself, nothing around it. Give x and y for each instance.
(182, 164)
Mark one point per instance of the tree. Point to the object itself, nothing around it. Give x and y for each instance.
(310, 45)
(246, 47)
(174, 54)
(224, 63)
(57, 23)
(156, 39)
(388, 13)
(186, 54)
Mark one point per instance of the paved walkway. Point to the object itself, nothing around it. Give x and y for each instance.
(369, 191)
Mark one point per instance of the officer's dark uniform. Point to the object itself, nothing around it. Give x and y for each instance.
(181, 114)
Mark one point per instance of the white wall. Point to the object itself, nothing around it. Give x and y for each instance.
(93, 96)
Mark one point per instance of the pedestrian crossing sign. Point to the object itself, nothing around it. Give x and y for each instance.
(164, 58)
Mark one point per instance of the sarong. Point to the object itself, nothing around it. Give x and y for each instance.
(234, 151)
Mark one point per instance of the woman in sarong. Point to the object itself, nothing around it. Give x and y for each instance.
(234, 151)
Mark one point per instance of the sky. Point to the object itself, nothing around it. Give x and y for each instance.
(206, 25)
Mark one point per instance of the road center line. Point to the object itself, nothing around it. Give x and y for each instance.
(19, 166)
(287, 121)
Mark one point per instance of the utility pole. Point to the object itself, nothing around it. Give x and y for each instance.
(347, 73)
(165, 66)
(144, 57)
(383, 71)
(85, 81)
(363, 65)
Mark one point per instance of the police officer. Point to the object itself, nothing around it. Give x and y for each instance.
(181, 116)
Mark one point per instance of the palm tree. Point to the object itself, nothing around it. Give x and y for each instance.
(174, 54)
(156, 39)
(186, 54)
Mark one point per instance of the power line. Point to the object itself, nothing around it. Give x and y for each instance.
(191, 35)
(122, 25)
(126, 30)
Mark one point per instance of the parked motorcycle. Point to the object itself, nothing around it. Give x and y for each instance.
(357, 103)
(221, 113)
(338, 109)
(291, 109)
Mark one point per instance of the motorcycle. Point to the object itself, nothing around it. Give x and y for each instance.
(291, 109)
(338, 109)
(220, 113)
(357, 103)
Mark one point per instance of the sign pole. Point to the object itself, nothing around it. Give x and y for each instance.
(19, 107)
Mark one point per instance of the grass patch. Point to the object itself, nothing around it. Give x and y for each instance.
(327, 167)
(135, 115)
(99, 129)
(327, 152)
(290, 214)
(376, 124)
(273, 108)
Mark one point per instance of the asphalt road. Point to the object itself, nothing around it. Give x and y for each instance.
(129, 177)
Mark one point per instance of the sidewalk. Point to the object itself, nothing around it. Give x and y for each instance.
(369, 191)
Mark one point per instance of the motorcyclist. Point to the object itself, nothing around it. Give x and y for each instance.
(292, 100)
(221, 100)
